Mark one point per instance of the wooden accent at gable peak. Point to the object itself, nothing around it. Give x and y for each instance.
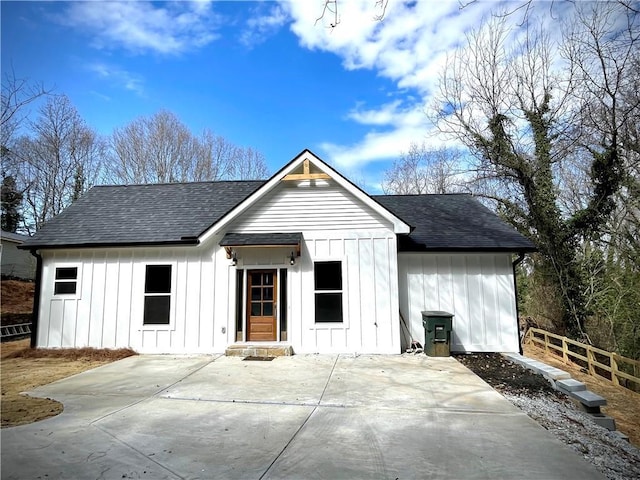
(306, 174)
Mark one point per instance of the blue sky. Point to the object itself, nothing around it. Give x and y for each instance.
(262, 74)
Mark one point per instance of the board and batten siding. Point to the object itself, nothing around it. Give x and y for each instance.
(335, 226)
(477, 288)
(108, 307)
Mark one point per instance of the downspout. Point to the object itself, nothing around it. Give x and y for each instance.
(515, 263)
(36, 299)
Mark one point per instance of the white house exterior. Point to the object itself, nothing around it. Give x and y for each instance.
(305, 259)
(16, 263)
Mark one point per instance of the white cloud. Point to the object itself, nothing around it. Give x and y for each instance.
(260, 27)
(409, 46)
(118, 77)
(142, 26)
(396, 127)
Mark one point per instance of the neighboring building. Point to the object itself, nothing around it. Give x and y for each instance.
(16, 263)
(305, 259)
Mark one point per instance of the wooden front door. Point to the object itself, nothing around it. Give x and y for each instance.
(261, 308)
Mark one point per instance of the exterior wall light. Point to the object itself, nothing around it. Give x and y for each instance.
(234, 259)
(292, 259)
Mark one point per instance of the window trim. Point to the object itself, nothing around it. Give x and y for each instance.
(77, 280)
(343, 272)
(171, 294)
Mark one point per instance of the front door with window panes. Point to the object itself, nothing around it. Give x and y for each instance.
(261, 308)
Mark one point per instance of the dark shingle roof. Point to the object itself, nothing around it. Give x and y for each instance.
(178, 213)
(247, 239)
(452, 222)
(143, 214)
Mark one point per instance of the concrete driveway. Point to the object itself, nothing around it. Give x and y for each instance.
(306, 416)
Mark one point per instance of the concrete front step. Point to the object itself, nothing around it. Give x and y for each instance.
(258, 350)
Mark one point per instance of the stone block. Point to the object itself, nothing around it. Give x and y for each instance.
(555, 373)
(588, 398)
(570, 385)
(621, 435)
(604, 421)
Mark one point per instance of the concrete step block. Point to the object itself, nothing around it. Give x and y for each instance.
(556, 374)
(604, 421)
(570, 385)
(588, 398)
(247, 350)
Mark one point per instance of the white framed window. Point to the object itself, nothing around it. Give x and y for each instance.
(328, 291)
(157, 294)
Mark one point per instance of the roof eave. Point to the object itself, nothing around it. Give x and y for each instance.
(469, 250)
(67, 246)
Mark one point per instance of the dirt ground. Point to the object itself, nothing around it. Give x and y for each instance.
(23, 369)
(507, 377)
(16, 296)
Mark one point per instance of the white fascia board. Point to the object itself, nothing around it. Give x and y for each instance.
(398, 225)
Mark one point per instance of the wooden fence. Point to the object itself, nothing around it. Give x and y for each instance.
(611, 366)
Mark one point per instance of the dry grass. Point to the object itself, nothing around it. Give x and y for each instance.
(622, 404)
(85, 354)
(24, 369)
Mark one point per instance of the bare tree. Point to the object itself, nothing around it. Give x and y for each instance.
(161, 149)
(17, 93)
(248, 164)
(59, 161)
(423, 170)
(525, 120)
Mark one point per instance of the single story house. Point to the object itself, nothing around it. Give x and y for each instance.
(15, 263)
(305, 259)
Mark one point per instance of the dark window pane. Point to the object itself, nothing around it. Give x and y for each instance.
(62, 288)
(255, 293)
(328, 307)
(268, 279)
(255, 309)
(70, 273)
(328, 275)
(158, 279)
(256, 279)
(156, 310)
(267, 293)
(267, 309)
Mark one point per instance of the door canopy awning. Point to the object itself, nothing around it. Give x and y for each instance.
(264, 240)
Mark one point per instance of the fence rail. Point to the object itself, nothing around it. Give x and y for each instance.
(621, 370)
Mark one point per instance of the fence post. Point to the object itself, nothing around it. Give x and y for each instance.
(565, 347)
(546, 342)
(614, 369)
(589, 360)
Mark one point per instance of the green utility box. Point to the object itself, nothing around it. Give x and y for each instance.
(437, 333)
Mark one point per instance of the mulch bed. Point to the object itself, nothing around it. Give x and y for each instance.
(504, 375)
